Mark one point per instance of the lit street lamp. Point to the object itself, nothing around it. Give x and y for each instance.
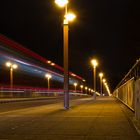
(75, 85)
(86, 89)
(48, 76)
(104, 81)
(81, 88)
(11, 66)
(89, 90)
(94, 64)
(101, 77)
(67, 17)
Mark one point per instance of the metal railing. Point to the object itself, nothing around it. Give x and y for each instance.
(125, 90)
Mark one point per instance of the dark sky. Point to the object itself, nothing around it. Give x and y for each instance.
(106, 29)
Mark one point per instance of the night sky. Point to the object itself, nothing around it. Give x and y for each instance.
(108, 30)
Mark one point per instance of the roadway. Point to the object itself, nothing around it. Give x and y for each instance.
(87, 119)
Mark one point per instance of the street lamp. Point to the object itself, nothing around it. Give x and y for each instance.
(61, 3)
(101, 77)
(48, 76)
(67, 17)
(81, 88)
(94, 64)
(12, 67)
(104, 81)
(75, 85)
(89, 90)
(86, 89)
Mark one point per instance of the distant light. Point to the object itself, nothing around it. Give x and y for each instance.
(48, 76)
(48, 61)
(14, 66)
(104, 80)
(94, 63)
(75, 84)
(70, 16)
(8, 64)
(101, 74)
(73, 75)
(61, 3)
(81, 86)
(52, 64)
(84, 80)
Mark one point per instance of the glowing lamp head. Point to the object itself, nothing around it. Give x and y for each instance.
(94, 63)
(52, 64)
(86, 88)
(14, 66)
(84, 80)
(81, 86)
(61, 3)
(48, 76)
(70, 16)
(104, 80)
(75, 84)
(101, 75)
(8, 64)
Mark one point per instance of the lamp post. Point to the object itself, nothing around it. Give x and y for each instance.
(86, 89)
(89, 90)
(75, 85)
(67, 17)
(94, 64)
(104, 81)
(48, 76)
(12, 67)
(101, 84)
(81, 88)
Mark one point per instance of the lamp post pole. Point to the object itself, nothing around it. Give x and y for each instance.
(81, 88)
(48, 83)
(67, 17)
(101, 83)
(48, 76)
(94, 73)
(75, 85)
(11, 67)
(65, 61)
(94, 64)
(11, 77)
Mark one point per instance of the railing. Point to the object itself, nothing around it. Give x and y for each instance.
(128, 90)
(21, 92)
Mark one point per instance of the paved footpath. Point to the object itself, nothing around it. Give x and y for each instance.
(87, 119)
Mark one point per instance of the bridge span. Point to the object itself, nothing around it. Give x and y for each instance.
(105, 118)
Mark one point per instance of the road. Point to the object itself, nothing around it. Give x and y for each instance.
(36, 102)
(87, 119)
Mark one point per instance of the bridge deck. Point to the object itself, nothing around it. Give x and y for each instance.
(87, 119)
